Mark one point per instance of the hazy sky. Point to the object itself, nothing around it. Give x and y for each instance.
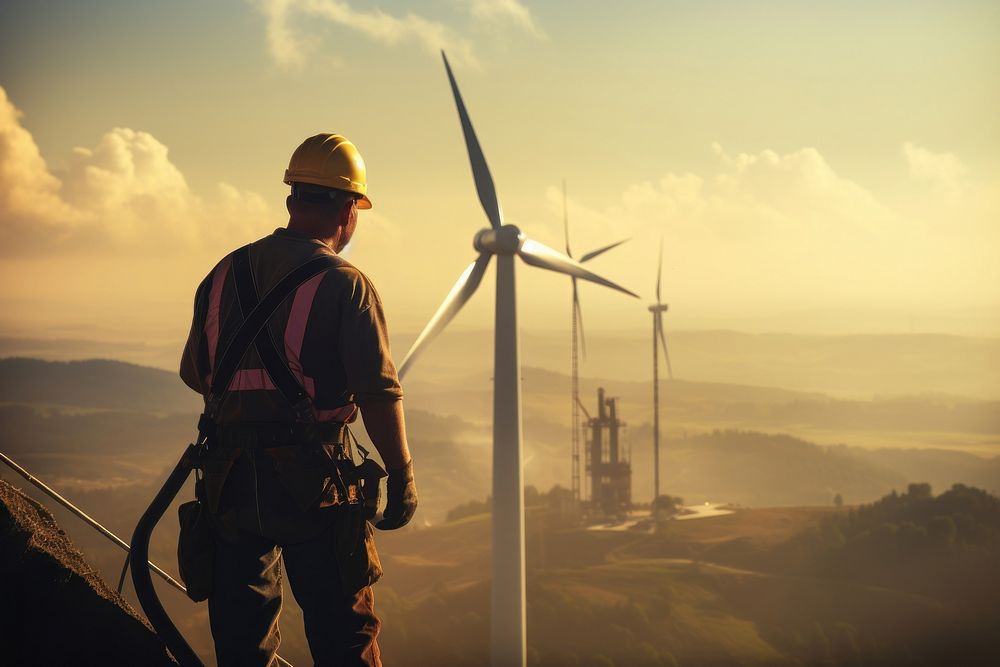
(834, 158)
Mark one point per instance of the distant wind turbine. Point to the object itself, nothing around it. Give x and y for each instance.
(504, 241)
(657, 310)
(578, 337)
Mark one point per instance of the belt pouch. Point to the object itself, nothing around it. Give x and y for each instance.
(196, 549)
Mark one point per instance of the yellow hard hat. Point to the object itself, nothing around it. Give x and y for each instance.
(332, 161)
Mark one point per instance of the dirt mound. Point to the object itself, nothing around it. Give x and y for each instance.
(56, 609)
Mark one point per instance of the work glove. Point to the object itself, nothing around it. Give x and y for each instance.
(400, 498)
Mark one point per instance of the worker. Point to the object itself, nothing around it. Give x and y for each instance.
(276, 477)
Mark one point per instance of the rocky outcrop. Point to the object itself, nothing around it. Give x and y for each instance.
(54, 608)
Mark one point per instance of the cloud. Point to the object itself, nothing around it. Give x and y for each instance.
(750, 196)
(29, 194)
(281, 43)
(498, 11)
(289, 49)
(290, 43)
(122, 194)
(942, 171)
(121, 219)
(783, 229)
(129, 188)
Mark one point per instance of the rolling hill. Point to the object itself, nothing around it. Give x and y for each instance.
(859, 366)
(95, 384)
(99, 423)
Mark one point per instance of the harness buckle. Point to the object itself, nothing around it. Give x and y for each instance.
(303, 409)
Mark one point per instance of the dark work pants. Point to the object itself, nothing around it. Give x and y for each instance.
(245, 602)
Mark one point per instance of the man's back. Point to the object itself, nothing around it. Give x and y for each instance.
(331, 332)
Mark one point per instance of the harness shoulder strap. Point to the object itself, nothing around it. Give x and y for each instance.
(255, 317)
(274, 363)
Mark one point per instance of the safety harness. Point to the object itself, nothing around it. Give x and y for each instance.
(256, 312)
(305, 428)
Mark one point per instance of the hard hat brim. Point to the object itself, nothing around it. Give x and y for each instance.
(363, 201)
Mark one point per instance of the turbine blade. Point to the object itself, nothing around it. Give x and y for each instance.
(659, 272)
(663, 340)
(544, 257)
(579, 321)
(480, 171)
(566, 220)
(464, 288)
(591, 255)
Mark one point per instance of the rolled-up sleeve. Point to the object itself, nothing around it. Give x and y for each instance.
(364, 344)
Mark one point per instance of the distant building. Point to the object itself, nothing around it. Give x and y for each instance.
(608, 468)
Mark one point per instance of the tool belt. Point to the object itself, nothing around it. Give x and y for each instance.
(318, 476)
(315, 463)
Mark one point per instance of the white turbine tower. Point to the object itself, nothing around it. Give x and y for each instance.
(504, 241)
(579, 342)
(658, 309)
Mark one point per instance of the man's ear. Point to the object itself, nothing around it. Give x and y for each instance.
(344, 214)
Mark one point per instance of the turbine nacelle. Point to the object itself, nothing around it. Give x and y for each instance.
(658, 308)
(507, 240)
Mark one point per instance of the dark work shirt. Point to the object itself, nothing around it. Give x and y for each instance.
(345, 347)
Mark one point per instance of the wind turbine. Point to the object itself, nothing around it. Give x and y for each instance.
(578, 337)
(657, 310)
(504, 241)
